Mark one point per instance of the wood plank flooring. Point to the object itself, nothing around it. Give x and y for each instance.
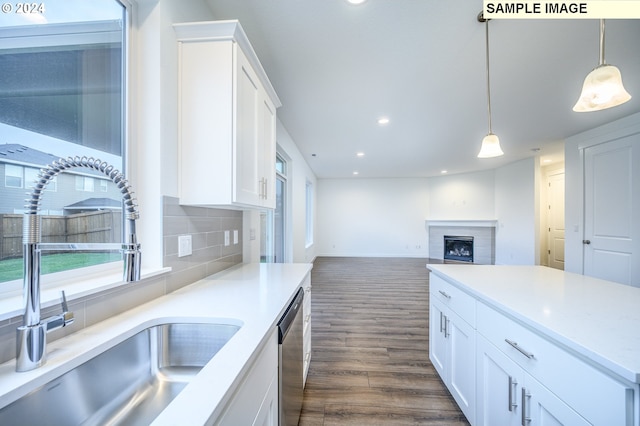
(370, 350)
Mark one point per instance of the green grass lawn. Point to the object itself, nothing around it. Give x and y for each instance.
(11, 269)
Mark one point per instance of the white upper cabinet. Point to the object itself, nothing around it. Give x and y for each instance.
(227, 119)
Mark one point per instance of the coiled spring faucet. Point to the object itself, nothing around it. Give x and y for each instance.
(31, 337)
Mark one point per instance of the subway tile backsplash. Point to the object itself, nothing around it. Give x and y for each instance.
(209, 255)
(206, 227)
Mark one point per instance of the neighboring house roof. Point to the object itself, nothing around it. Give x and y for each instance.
(95, 204)
(17, 153)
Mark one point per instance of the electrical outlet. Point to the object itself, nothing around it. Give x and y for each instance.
(226, 238)
(184, 245)
(235, 236)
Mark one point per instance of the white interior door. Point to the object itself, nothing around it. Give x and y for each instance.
(611, 239)
(556, 220)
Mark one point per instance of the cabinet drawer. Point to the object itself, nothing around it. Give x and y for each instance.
(455, 299)
(598, 397)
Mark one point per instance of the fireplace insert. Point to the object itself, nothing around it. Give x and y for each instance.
(458, 248)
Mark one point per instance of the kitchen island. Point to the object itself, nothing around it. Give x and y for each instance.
(252, 296)
(497, 333)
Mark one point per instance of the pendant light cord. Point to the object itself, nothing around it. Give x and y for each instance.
(488, 79)
(602, 42)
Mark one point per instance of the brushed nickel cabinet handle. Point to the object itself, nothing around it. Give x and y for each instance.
(519, 349)
(445, 294)
(446, 327)
(525, 419)
(512, 387)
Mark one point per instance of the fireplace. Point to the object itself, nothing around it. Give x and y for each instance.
(458, 248)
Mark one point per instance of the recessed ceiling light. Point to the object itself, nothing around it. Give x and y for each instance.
(360, 154)
(356, 1)
(383, 120)
(444, 172)
(355, 173)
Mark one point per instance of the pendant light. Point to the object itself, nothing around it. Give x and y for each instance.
(602, 87)
(490, 144)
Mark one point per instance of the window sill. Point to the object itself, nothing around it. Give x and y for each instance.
(12, 305)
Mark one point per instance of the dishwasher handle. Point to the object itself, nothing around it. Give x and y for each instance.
(289, 315)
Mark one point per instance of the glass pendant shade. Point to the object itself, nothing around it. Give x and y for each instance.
(490, 147)
(602, 89)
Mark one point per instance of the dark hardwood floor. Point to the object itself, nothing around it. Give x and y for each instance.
(370, 350)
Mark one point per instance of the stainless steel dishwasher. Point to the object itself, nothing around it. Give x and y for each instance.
(290, 362)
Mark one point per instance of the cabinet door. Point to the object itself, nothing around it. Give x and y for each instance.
(543, 408)
(462, 356)
(499, 383)
(452, 353)
(268, 413)
(255, 401)
(437, 340)
(247, 184)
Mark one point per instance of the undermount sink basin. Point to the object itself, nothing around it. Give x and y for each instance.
(129, 384)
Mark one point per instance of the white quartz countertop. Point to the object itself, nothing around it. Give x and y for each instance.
(251, 295)
(599, 320)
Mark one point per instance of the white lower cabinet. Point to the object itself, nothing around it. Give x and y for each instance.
(507, 395)
(502, 372)
(255, 402)
(452, 352)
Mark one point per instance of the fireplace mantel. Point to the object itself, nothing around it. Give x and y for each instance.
(485, 223)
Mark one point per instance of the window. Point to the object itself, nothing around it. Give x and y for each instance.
(84, 184)
(273, 222)
(309, 214)
(62, 94)
(23, 177)
(13, 176)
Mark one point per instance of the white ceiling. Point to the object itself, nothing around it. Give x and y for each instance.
(337, 68)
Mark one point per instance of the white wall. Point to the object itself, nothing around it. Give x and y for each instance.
(517, 211)
(372, 217)
(298, 175)
(462, 197)
(386, 217)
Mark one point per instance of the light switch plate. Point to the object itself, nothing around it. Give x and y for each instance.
(235, 236)
(184, 245)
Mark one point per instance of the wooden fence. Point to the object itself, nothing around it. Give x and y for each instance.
(103, 226)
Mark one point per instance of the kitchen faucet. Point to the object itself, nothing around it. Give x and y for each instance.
(31, 339)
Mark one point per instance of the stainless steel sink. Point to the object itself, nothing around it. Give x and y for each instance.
(130, 383)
